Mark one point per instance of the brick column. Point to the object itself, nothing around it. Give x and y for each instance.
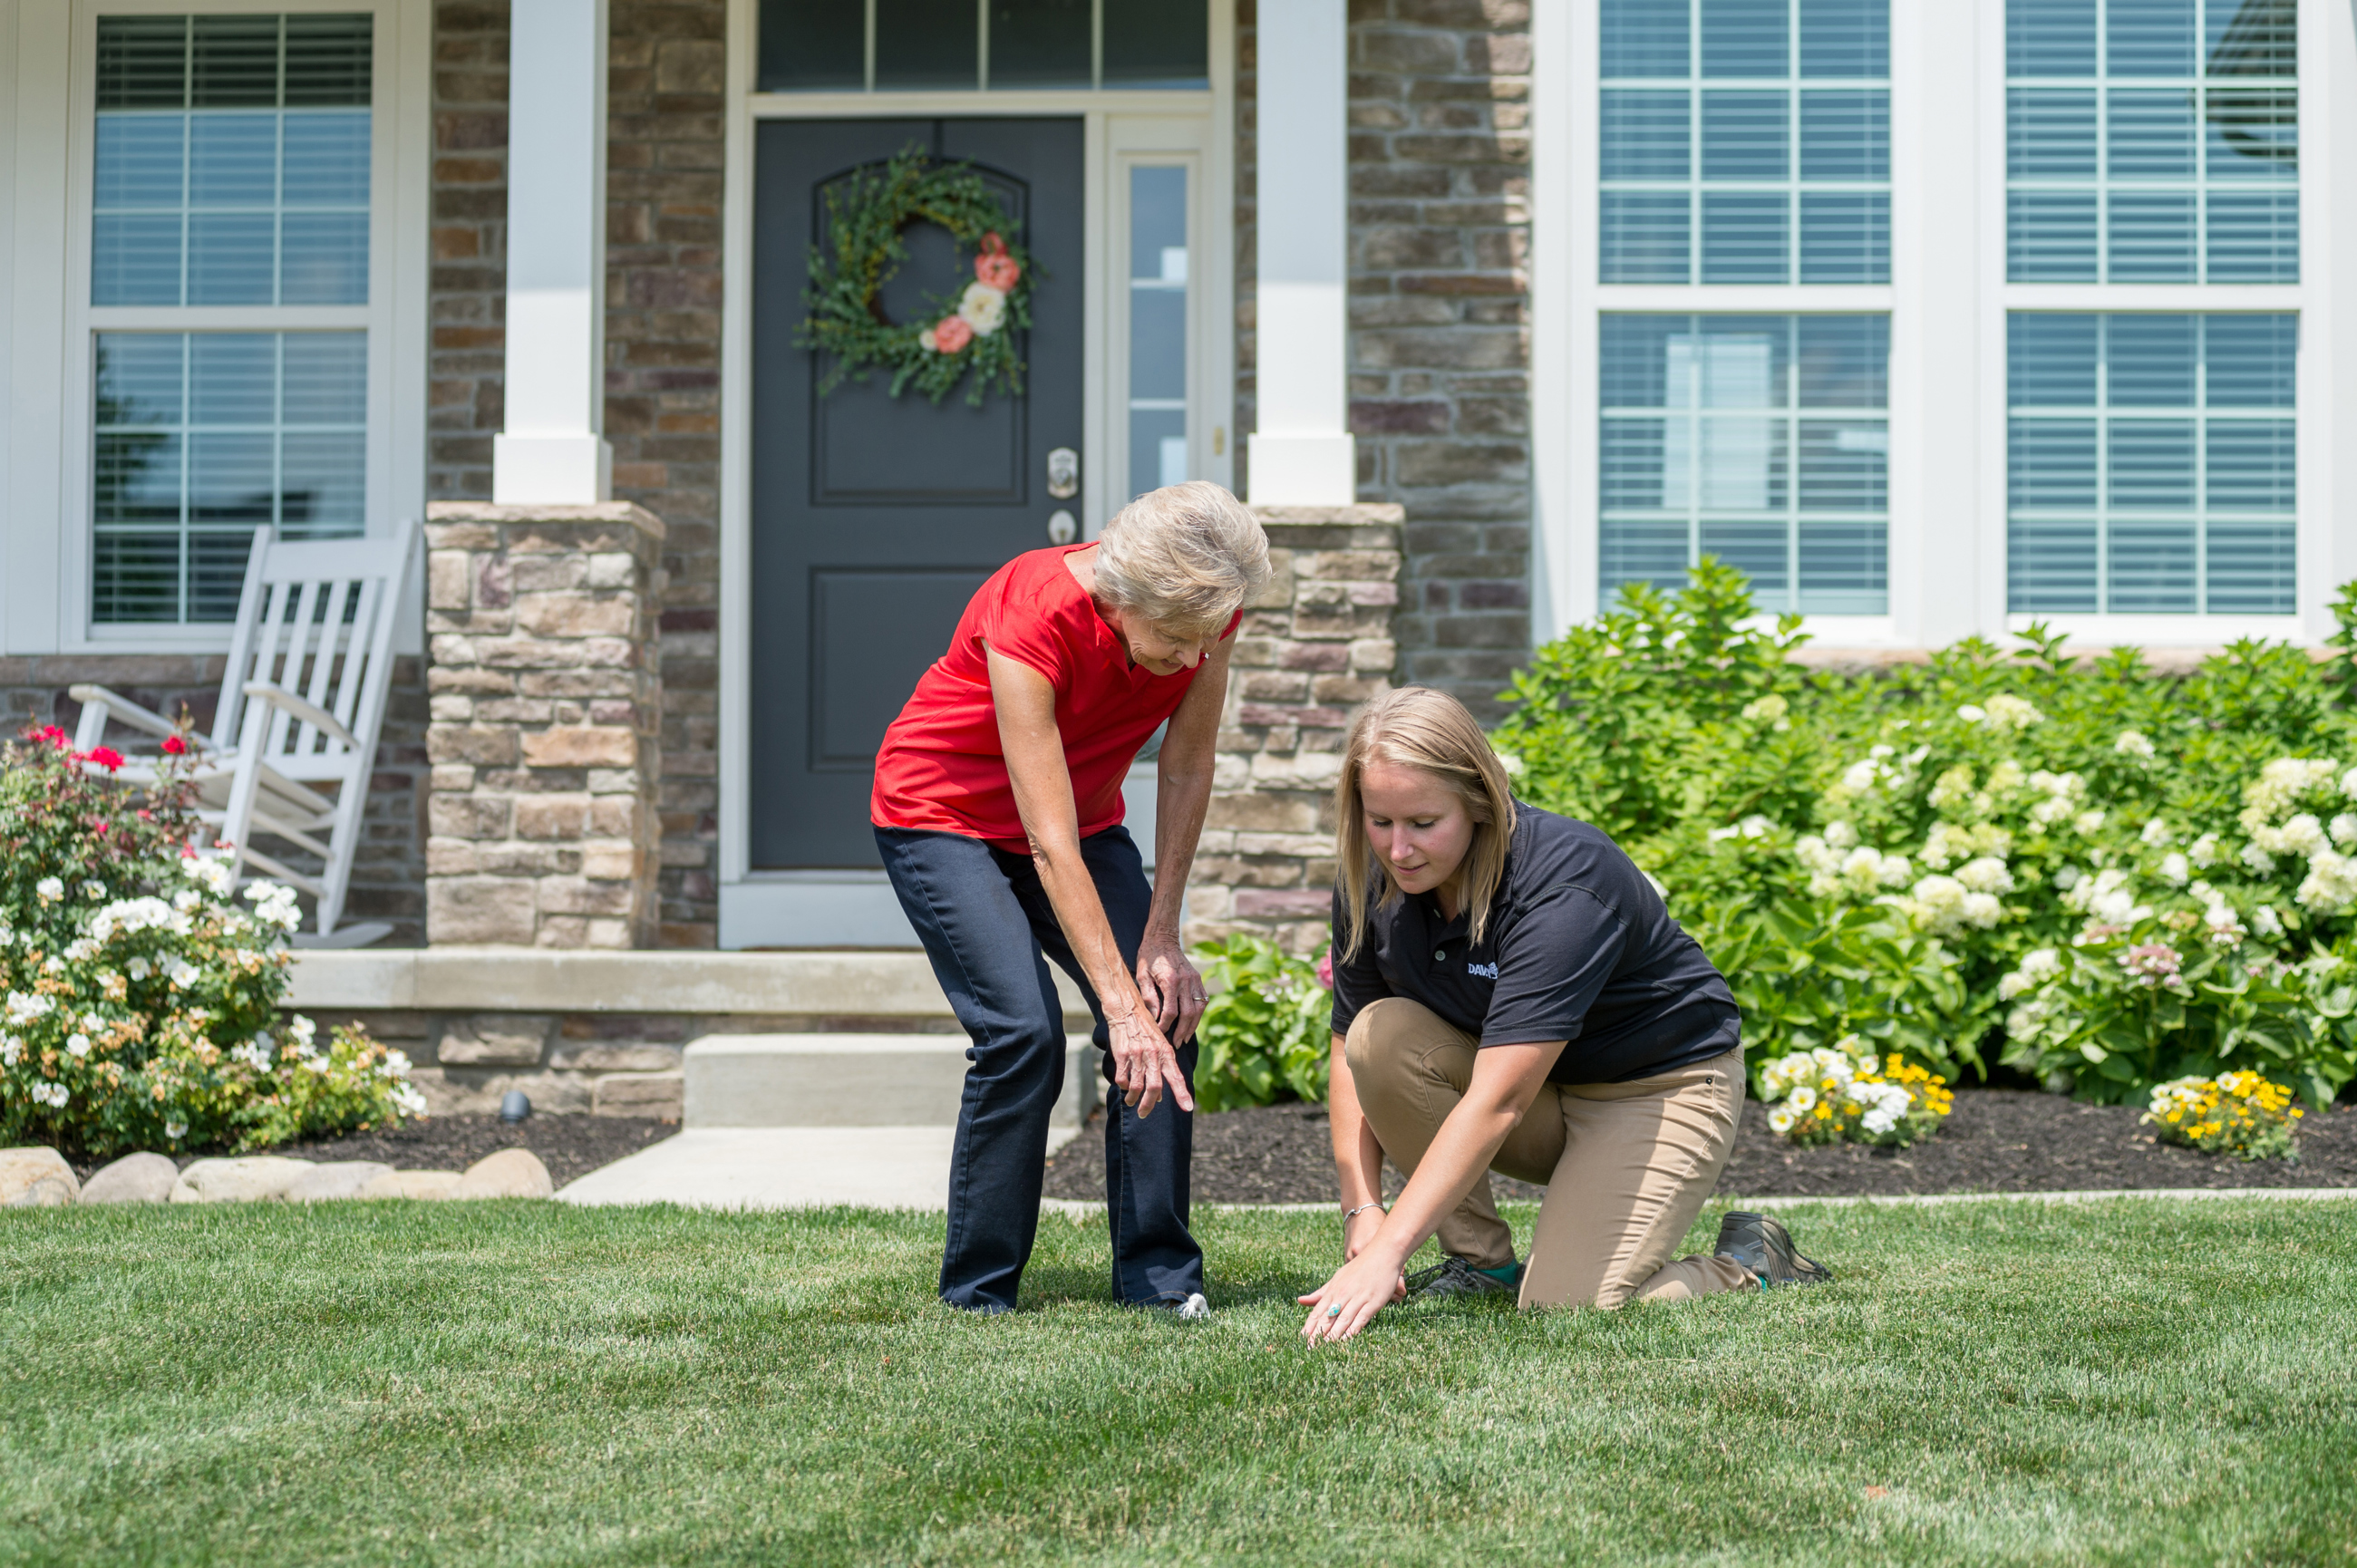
(1312, 649)
(545, 680)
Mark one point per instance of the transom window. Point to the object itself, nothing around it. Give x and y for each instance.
(2152, 141)
(932, 46)
(1762, 440)
(230, 170)
(2152, 463)
(1745, 142)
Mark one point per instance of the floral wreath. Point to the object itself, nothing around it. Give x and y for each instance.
(973, 330)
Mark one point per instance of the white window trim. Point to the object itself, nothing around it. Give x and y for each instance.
(47, 539)
(1948, 301)
(1120, 126)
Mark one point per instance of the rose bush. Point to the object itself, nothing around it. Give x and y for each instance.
(2097, 874)
(139, 1004)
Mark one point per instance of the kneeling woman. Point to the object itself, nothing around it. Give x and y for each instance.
(1510, 994)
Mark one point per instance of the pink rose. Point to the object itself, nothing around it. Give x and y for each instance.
(951, 333)
(991, 245)
(997, 269)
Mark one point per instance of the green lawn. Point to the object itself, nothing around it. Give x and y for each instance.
(2137, 1382)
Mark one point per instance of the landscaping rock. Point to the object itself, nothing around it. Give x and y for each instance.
(36, 1178)
(410, 1184)
(335, 1179)
(250, 1179)
(133, 1178)
(511, 1172)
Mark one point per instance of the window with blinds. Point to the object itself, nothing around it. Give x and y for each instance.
(935, 46)
(230, 176)
(1745, 142)
(2151, 463)
(1761, 440)
(2152, 141)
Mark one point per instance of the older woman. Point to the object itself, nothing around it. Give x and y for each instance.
(1511, 995)
(998, 808)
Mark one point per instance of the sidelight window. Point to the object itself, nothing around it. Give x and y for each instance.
(1157, 326)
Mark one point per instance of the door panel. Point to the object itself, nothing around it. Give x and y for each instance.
(874, 519)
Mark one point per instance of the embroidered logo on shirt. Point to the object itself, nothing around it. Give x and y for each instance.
(1486, 971)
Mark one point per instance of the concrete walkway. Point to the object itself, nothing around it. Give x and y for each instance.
(786, 1167)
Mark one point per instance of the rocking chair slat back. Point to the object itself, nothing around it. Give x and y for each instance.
(322, 628)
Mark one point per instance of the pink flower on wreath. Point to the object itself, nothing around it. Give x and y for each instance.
(991, 245)
(1326, 970)
(997, 269)
(951, 333)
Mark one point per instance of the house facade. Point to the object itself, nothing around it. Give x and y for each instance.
(1934, 319)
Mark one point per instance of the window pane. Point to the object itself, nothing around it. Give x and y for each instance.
(927, 43)
(2247, 359)
(1157, 326)
(2252, 136)
(134, 259)
(1645, 38)
(1744, 238)
(1844, 37)
(2254, 236)
(2051, 131)
(2152, 237)
(2179, 492)
(2049, 37)
(329, 61)
(812, 44)
(1645, 236)
(1644, 135)
(1743, 136)
(1745, 38)
(1040, 43)
(1737, 474)
(1846, 134)
(230, 258)
(2051, 236)
(2148, 37)
(323, 259)
(2152, 134)
(1158, 43)
(2254, 38)
(234, 62)
(326, 159)
(1844, 236)
(137, 161)
(1157, 342)
(202, 436)
(232, 160)
(143, 62)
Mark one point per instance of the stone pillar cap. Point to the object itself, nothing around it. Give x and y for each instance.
(629, 512)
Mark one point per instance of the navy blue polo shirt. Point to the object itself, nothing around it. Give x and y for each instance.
(1579, 947)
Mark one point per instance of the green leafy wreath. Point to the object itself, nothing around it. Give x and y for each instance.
(972, 328)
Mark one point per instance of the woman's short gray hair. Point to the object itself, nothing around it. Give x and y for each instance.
(1185, 556)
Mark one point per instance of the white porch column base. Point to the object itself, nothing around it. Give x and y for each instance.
(1303, 470)
(551, 470)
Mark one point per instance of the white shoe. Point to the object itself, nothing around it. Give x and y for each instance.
(1196, 1306)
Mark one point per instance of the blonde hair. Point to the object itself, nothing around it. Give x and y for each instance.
(1430, 731)
(1185, 556)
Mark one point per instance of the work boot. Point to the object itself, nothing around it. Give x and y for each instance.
(1759, 1244)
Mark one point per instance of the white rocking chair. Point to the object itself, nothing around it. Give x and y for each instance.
(317, 619)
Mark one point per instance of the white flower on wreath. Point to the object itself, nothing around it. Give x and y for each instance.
(984, 309)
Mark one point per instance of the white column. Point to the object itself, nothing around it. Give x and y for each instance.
(550, 452)
(1302, 454)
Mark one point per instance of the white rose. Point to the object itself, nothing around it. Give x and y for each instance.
(984, 309)
(50, 889)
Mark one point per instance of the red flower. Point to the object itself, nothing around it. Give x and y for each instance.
(106, 756)
(174, 745)
(991, 245)
(997, 269)
(953, 334)
(54, 735)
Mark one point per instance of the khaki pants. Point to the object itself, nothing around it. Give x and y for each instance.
(1627, 1166)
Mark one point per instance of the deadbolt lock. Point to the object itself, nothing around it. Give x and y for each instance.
(1063, 473)
(1064, 527)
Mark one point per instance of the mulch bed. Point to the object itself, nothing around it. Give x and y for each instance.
(569, 1146)
(1996, 1141)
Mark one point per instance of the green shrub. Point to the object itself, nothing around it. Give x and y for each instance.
(1266, 1032)
(1888, 854)
(138, 1003)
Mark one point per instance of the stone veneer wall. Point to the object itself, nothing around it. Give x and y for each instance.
(388, 870)
(665, 97)
(1313, 647)
(1439, 153)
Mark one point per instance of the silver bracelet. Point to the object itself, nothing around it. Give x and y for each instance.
(1349, 1215)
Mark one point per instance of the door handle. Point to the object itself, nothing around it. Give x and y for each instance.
(1063, 473)
(1062, 527)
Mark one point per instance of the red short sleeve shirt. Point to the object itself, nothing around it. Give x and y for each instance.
(940, 768)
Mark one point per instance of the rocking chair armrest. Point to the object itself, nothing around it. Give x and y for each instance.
(311, 713)
(124, 709)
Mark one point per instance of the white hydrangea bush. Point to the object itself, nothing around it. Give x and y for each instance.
(139, 999)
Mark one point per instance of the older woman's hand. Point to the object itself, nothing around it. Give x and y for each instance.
(1172, 987)
(1144, 1063)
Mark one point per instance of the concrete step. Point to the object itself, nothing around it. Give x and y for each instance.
(852, 1080)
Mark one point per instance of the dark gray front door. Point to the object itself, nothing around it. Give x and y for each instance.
(874, 519)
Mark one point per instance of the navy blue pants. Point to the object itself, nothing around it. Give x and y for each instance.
(987, 926)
